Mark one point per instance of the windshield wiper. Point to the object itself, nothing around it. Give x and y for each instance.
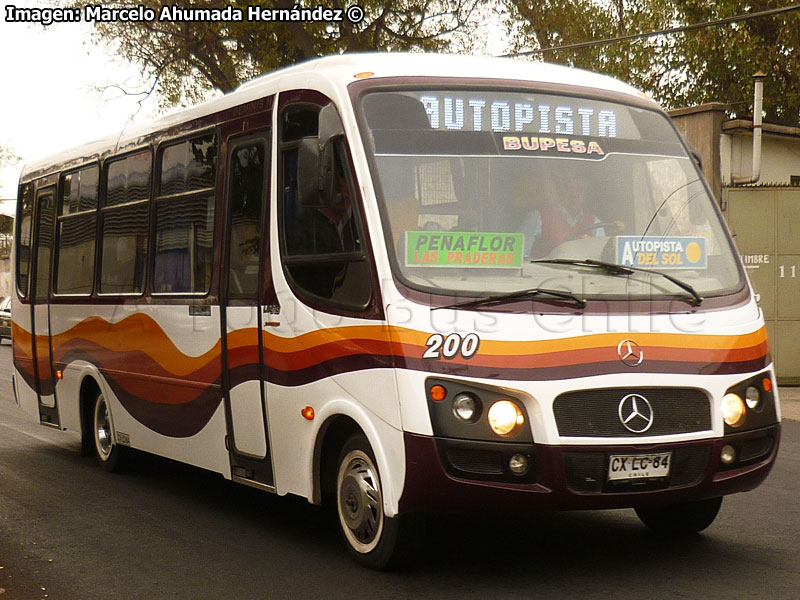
(616, 269)
(517, 295)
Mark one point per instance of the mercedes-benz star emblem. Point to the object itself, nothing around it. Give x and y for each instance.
(635, 413)
(630, 353)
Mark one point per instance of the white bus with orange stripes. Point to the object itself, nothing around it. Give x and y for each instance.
(404, 284)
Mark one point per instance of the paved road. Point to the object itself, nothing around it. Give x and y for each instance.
(70, 531)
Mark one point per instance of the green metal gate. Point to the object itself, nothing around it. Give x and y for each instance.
(765, 222)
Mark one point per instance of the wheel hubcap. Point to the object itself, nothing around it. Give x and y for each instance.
(102, 428)
(360, 501)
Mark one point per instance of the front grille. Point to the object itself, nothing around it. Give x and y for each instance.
(595, 413)
(587, 472)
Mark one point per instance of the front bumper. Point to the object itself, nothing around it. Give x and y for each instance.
(574, 477)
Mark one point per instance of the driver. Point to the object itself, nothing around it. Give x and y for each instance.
(557, 221)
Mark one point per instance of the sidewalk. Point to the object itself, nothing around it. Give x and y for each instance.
(790, 402)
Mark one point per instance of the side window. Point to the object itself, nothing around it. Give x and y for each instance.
(321, 237)
(184, 232)
(125, 224)
(24, 222)
(77, 218)
(247, 195)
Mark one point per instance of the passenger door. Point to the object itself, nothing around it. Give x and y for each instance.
(246, 284)
(40, 304)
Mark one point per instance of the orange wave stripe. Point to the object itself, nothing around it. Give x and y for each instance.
(137, 332)
(603, 340)
(23, 342)
(140, 332)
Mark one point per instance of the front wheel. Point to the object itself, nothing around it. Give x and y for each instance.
(109, 453)
(373, 539)
(680, 519)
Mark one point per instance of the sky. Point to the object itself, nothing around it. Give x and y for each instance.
(49, 101)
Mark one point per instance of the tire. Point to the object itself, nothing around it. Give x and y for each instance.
(110, 455)
(373, 539)
(680, 519)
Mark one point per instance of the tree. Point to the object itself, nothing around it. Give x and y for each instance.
(722, 60)
(183, 61)
(7, 157)
(692, 67)
(554, 23)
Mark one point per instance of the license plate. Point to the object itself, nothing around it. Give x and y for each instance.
(639, 466)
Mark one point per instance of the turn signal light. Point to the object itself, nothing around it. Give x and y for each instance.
(766, 383)
(59, 374)
(438, 393)
(308, 413)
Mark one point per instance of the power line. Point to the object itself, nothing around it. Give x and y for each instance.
(637, 36)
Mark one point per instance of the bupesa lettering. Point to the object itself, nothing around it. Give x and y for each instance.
(546, 144)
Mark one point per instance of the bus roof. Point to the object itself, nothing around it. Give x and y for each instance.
(340, 70)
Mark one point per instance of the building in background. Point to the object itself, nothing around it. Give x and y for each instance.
(764, 216)
(6, 232)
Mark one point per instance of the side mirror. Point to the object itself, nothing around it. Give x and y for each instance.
(696, 156)
(692, 150)
(331, 130)
(330, 126)
(697, 215)
(308, 168)
(316, 160)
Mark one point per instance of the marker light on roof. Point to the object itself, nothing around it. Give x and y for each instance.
(364, 75)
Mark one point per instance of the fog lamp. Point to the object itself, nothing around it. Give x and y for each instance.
(505, 418)
(467, 408)
(728, 454)
(753, 397)
(518, 464)
(733, 410)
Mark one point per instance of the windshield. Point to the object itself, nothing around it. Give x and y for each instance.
(480, 189)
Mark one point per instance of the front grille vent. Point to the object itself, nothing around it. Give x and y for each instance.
(475, 461)
(595, 413)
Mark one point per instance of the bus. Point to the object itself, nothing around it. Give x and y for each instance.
(404, 284)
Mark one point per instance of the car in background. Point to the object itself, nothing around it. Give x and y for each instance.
(5, 319)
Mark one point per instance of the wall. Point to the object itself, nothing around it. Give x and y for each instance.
(5, 277)
(702, 127)
(780, 156)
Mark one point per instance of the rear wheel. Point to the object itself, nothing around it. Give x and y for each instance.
(373, 539)
(680, 519)
(110, 454)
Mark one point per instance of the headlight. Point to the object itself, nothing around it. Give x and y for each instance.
(733, 410)
(467, 408)
(505, 418)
